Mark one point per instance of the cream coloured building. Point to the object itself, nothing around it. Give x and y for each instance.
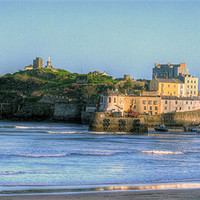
(171, 104)
(191, 85)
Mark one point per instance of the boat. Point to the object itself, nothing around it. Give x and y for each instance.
(191, 129)
(161, 128)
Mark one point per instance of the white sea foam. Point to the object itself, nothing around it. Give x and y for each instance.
(21, 127)
(161, 152)
(63, 132)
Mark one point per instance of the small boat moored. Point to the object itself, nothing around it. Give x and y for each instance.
(161, 128)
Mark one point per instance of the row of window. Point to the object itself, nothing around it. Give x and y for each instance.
(176, 102)
(150, 102)
(163, 85)
(191, 81)
(177, 108)
(150, 108)
(191, 86)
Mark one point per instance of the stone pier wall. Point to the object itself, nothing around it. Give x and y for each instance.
(102, 122)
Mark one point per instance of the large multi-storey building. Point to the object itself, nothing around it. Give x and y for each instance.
(167, 87)
(169, 70)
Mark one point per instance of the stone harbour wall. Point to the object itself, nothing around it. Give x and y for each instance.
(102, 122)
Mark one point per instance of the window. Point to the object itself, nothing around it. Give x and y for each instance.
(194, 81)
(145, 107)
(176, 108)
(195, 86)
(176, 102)
(149, 102)
(174, 92)
(165, 108)
(181, 86)
(156, 108)
(168, 85)
(188, 81)
(150, 107)
(156, 113)
(144, 102)
(115, 100)
(194, 92)
(109, 99)
(188, 108)
(191, 102)
(191, 86)
(191, 81)
(101, 99)
(134, 101)
(174, 86)
(163, 85)
(190, 92)
(186, 102)
(134, 107)
(165, 102)
(188, 86)
(155, 102)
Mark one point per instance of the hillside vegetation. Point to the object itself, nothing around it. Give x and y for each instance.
(31, 85)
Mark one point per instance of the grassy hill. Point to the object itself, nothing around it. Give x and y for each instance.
(31, 85)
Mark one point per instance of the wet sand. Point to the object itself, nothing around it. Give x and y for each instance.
(190, 194)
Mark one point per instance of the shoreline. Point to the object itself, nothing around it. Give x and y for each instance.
(11, 191)
(181, 194)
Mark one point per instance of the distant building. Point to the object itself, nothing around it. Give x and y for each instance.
(169, 70)
(29, 67)
(167, 87)
(38, 63)
(48, 66)
(171, 104)
(95, 73)
(191, 85)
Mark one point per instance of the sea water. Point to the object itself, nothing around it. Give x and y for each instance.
(68, 155)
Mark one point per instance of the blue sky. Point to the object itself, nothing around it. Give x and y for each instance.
(119, 37)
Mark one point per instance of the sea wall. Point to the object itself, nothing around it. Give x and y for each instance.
(102, 122)
(67, 112)
(174, 119)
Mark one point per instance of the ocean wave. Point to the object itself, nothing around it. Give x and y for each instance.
(63, 132)
(11, 173)
(66, 154)
(21, 127)
(7, 126)
(161, 152)
(41, 155)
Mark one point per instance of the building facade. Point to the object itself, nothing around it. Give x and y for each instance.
(176, 104)
(167, 87)
(112, 102)
(191, 85)
(169, 70)
(38, 63)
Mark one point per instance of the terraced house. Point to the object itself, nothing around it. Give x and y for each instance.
(167, 87)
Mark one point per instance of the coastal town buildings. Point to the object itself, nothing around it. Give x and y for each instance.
(146, 104)
(167, 87)
(191, 85)
(169, 70)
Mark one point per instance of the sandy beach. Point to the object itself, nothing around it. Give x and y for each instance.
(189, 194)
